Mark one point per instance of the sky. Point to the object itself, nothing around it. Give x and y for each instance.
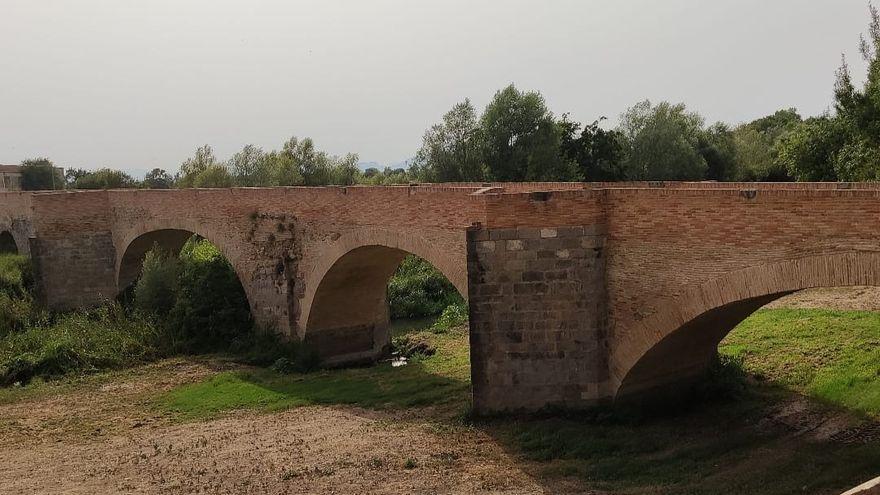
(135, 85)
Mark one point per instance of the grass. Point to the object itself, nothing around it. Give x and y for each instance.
(442, 380)
(723, 446)
(79, 342)
(833, 356)
(704, 452)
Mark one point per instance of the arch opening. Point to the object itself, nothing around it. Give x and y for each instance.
(683, 358)
(7, 243)
(171, 241)
(664, 356)
(189, 285)
(350, 318)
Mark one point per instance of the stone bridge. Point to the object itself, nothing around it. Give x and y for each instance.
(579, 294)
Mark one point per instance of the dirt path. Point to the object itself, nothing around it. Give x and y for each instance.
(105, 438)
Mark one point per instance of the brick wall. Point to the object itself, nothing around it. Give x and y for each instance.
(537, 307)
(623, 277)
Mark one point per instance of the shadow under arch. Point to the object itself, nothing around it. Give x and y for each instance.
(8, 243)
(675, 346)
(134, 248)
(345, 315)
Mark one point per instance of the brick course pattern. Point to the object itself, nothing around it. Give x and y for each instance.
(579, 293)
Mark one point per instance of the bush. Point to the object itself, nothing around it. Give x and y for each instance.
(455, 315)
(418, 289)
(413, 346)
(264, 348)
(17, 308)
(16, 278)
(198, 297)
(79, 342)
(155, 292)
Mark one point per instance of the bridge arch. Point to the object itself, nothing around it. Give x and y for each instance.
(171, 236)
(343, 312)
(8, 243)
(676, 344)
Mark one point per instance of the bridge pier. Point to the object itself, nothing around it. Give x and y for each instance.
(537, 309)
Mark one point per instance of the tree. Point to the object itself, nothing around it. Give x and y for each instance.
(757, 146)
(283, 165)
(72, 174)
(250, 168)
(597, 152)
(858, 112)
(40, 174)
(522, 140)
(105, 178)
(452, 151)
(717, 147)
(754, 155)
(344, 170)
(216, 175)
(662, 142)
(809, 152)
(158, 179)
(192, 167)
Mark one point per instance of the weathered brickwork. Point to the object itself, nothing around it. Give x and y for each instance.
(579, 293)
(537, 306)
(15, 219)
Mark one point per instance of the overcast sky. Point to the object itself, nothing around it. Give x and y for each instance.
(140, 84)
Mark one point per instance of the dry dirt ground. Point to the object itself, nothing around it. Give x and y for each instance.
(103, 436)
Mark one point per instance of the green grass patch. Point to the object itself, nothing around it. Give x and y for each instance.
(713, 450)
(833, 356)
(724, 446)
(439, 380)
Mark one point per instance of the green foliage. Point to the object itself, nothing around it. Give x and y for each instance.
(455, 315)
(833, 356)
(79, 342)
(390, 176)
(104, 178)
(810, 150)
(452, 151)
(198, 296)
(17, 308)
(40, 174)
(718, 148)
(250, 167)
(845, 146)
(522, 140)
(597, 152)
(155, 292)
(661, 142)
(158, 179)
(196, 166)
(213, 176)
(441, 381)
(418, 289)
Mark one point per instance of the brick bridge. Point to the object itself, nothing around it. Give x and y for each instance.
(579, 293)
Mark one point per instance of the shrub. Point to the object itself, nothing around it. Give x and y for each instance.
(79, 342)
(264, 348)
(418, 289)
(155, 292)
(455, 315)
(196, 297)
(413, 346)
(16, 279)
(17, 308)
(211, 308)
